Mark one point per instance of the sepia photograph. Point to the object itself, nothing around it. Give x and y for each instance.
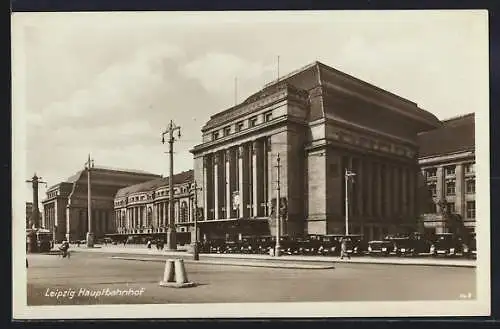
(250, 164)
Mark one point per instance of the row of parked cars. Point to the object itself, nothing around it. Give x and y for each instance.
(446, 244)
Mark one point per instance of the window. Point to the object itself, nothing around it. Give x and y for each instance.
(227, 131)
(252, 122)
(471, 186)
(431, 172)
(268, 144)
(471, 209)
(450, 207)
(268, 116)
(470, 168)
(183, 214)
(239, 126)
(450, 171)
(432, 189)
(450, 187)
(215, 135)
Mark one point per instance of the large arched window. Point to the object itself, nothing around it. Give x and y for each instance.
(184, 209)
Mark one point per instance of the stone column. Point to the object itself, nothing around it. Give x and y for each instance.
(388, 190)
(228, 184)
(404, 191)
(255, 196)
(378, 189)
(440, 189)
(56, 219)
(216, 184)
(412, 186)
(360, 186)
(368, 172)
(396, 204)
(459, 190)
(136, 213)
(241, 181)
(205, 188)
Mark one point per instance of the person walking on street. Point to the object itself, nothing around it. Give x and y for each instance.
(343, 249)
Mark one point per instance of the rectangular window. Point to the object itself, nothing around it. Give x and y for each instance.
(471, 209)
(450, 207)
(430, 173)
(252, 122)
(239, 126)
(268, 144)
(432, 189)
(268, 116)
(215, 135)
(471, 186)
(450, 171)
(227, 131)
(450, 188)
(470, 168)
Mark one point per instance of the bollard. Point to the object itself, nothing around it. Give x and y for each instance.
(175, 275)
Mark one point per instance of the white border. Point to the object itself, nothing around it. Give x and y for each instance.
(478, 307)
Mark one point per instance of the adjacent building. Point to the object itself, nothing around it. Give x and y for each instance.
(29, 213)
(65, 206)
(320, 122)
(144, 208)
(448, 182)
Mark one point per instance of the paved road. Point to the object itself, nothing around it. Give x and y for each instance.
(220, 283)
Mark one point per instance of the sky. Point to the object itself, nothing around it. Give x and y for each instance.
(108, 84)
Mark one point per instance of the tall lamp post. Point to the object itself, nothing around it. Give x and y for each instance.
(90, 234)
(171, 241)
(196, 255)
(35, 215)
(349, 175)
(277, 207)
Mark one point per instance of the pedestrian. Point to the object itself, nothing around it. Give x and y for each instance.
(343, 249)
(78, 243)
(148, 244)
(124, 242)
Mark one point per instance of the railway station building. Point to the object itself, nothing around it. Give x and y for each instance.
(448, 178)
(65, 205)
(321, 122)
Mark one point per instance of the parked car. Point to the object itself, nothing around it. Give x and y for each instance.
(470, 246)
(265, 244)
(356, 244)
(216, 246)
(330, 245)
(231, 247)
(447, 244)
(412, 245)
(380, 247)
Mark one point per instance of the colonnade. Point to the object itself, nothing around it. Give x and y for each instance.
(154, 215)
(236, 181)
(381, 188)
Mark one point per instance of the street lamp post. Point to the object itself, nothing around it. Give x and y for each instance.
(277, 208)
(348, 174)
(90, 234)
(171, 238)
(196, 255)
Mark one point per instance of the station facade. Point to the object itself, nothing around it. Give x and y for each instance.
(448, 177)
(144, 208)
(321, 122)
(65, 205)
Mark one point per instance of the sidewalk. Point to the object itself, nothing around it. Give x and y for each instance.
(233, 262)
(422, 261)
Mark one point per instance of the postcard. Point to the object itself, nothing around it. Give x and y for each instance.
(250, 164)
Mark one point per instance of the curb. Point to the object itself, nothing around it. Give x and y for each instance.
(286, 259)
(245, 264)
